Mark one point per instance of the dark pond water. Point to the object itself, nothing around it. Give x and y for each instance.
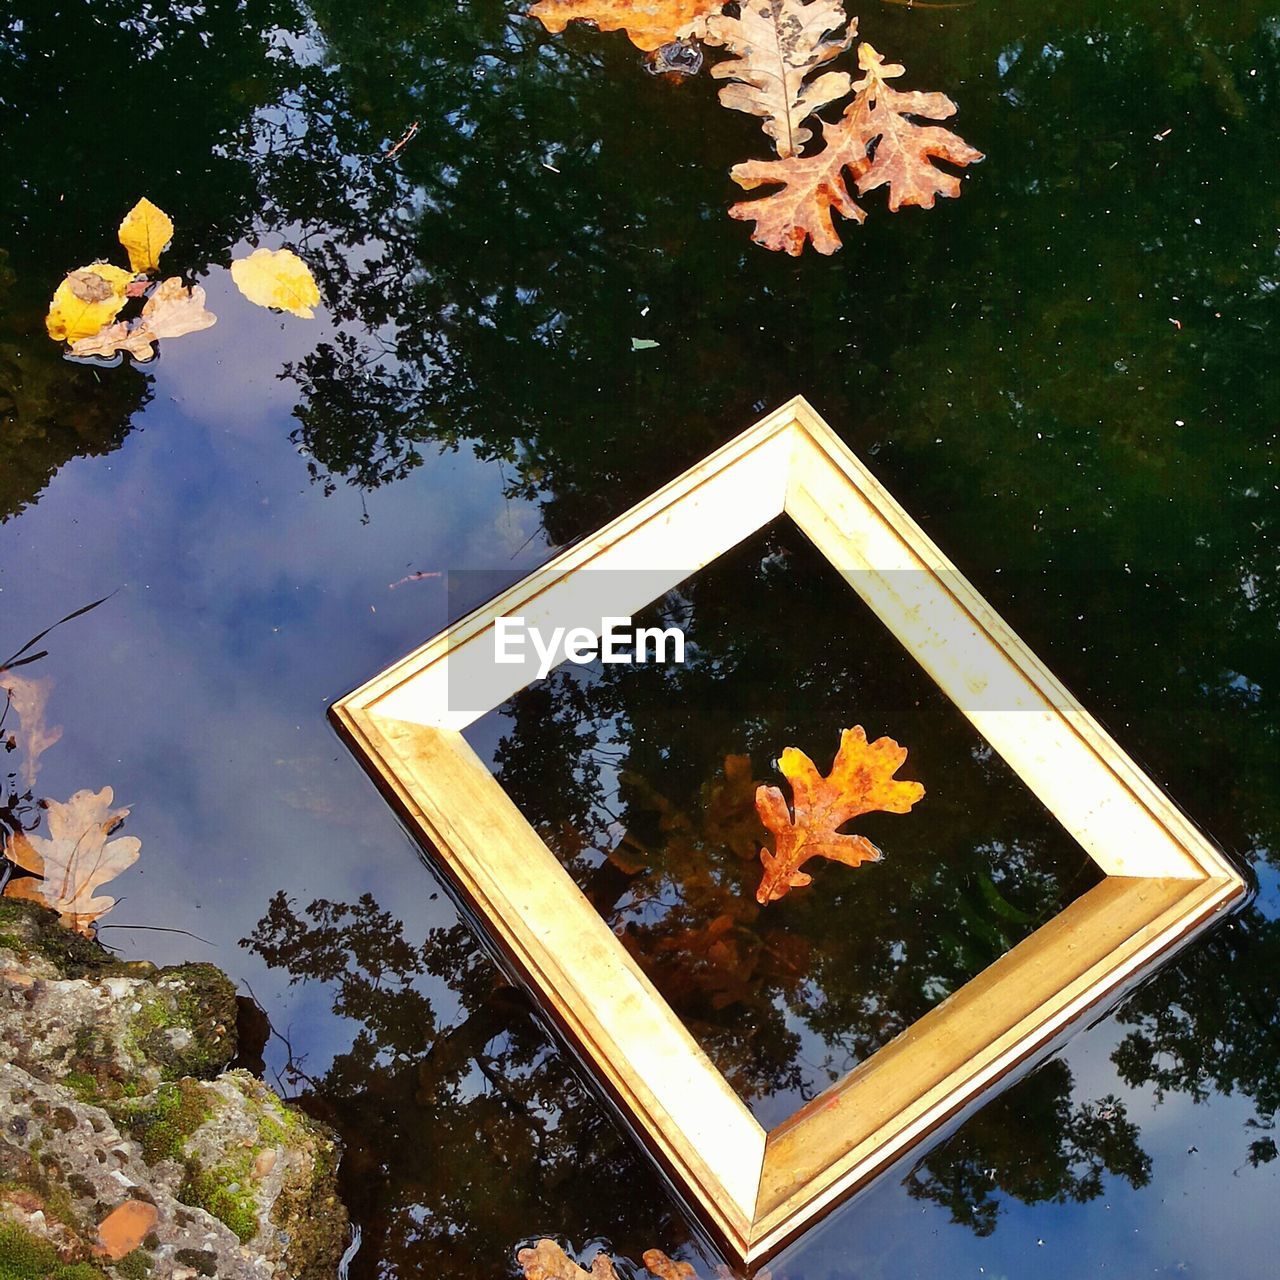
(1067, 376)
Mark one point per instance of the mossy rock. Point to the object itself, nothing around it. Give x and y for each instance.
(30, 930)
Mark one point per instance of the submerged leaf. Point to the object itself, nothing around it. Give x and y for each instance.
(74, 859)
(778, 43)
(86, 300)
(145, 232)
(279, 279)
(649, 24)
(27, 698)
(861, 781)
(877, 143)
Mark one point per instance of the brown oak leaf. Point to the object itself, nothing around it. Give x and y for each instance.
(877, 142)
(777, 44)
(74, 859)
(649, 24)
(861, 781)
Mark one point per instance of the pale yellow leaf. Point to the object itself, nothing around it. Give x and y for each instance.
(86, 300)
(174, 310)
(145, 232)
(76, 857)
(279, 279)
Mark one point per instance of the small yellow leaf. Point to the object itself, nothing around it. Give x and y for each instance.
(279, 279)
(85, 301)
(145, 232)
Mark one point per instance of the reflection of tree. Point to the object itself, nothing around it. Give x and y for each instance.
(50, 410)
(1034, 1144)
(462, 1137)
(90, 93)
(1199, 1028)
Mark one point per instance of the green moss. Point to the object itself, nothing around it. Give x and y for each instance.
(201, 1000)
(83, 1085)
(222, 1192)
(136, 1265)
(25, 1257)
(11, 942)
(163, 1122)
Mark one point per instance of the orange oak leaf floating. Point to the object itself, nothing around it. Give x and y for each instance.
(861, 781)
(74, 859)
(878, 142)
(777, 44)
(649, 24)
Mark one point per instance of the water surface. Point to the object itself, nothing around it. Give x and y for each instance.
(1067, 376)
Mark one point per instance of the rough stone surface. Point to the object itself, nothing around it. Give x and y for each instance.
(110, 1090)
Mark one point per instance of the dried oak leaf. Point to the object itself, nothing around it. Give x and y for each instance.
(74, 859)
(877, 142)
(86, 300)
(649, 24)
(861, 781)
(279, 279)
(548, 1261)
(172, 311)
(111, 339)
(777, 44)
(145, 232)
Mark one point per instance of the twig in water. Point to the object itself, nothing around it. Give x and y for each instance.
(158, 928)
(409, 134)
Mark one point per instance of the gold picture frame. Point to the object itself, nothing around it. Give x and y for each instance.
(756, 1191)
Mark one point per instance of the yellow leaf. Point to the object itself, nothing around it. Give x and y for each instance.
(85, 301)
(279, 279)
(145, 232)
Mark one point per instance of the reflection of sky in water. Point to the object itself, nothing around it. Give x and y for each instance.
(245, 603)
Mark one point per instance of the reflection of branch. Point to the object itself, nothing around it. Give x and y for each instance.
(293, 1064)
